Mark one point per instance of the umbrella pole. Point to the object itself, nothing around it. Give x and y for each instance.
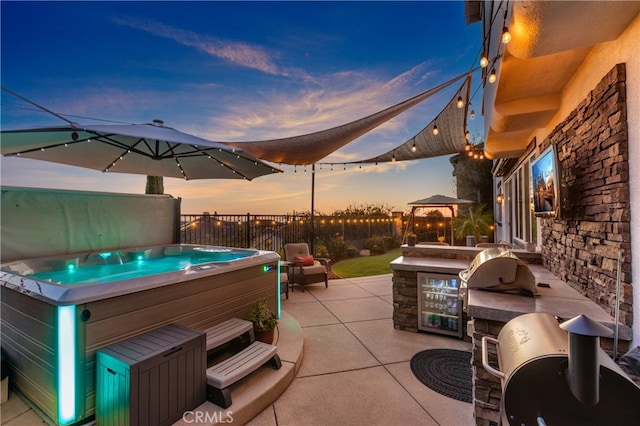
(313, 192)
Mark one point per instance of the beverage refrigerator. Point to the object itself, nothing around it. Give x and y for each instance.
(439, 304)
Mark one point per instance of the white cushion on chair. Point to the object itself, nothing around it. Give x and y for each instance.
(312, 270)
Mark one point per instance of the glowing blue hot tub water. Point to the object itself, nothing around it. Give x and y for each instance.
(136, 265)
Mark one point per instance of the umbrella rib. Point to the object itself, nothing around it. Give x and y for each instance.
(127, 149)
(42, 148)
(204, 152)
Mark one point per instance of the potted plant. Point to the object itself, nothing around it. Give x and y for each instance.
(264, 321)
(412, 239)
(475, 223)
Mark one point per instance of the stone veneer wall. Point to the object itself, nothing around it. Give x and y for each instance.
(405, 300)
(581, 245)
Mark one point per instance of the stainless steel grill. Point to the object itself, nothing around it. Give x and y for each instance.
(552, 376)
(497, 269)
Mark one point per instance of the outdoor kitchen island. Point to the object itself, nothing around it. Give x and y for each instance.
(488, 312)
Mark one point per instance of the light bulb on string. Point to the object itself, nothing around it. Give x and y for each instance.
(414, 148)
(393, 156)
(460, 102)
(470, 153)
(435, 130)
(472, 115)
(492, 76)
(467, 147)
(506, 35)
(484, 61)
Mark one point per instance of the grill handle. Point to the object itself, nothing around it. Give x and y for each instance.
(485, 357)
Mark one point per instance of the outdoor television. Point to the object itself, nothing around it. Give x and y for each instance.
(544, 175)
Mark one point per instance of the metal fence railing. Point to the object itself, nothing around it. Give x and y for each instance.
(272, 232)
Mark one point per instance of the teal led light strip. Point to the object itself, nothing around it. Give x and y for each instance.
(279, 293)
(66, 364)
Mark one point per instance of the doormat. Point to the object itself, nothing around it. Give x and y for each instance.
(446, 371)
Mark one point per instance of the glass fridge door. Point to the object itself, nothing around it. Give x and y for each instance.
(439, 306)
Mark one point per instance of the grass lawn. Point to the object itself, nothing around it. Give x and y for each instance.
(366, 266)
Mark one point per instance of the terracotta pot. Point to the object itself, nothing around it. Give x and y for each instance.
(265, 336)
(411, 241)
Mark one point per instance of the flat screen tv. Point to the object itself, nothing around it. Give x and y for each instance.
(544, 174)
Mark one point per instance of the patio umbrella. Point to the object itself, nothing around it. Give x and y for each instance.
(151, 149)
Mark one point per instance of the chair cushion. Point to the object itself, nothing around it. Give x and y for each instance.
(306, 260)
(313, 270)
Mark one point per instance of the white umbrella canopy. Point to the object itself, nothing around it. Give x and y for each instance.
(151, 149)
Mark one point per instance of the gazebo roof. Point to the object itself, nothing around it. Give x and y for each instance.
(440, 200)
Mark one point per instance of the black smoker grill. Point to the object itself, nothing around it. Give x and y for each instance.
(557, 374)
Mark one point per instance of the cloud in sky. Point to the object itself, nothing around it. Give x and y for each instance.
(235, 52)
(333, 99)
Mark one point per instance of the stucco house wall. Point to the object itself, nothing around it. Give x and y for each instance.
(598, 64)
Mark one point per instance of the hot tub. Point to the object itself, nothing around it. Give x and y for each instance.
(57, 311)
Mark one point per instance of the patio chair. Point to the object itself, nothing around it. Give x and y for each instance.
(305, 269)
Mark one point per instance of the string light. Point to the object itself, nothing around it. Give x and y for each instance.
(492, 76)
(472, 115)
(435, 130)
(414, 148)
(393, 156)
(460, 103)
(484, 61)
(506, 35)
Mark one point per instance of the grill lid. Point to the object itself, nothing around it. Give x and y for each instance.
(498, 269)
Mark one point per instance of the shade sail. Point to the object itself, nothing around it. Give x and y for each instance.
(150, 149)
(312, 147)
(451, 139)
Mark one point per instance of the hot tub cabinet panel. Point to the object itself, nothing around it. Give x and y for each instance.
(29, 342)
(40, 349)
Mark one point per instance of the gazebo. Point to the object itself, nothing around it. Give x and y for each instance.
(437, 201)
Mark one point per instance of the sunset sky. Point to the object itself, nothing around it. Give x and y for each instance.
(240, 71)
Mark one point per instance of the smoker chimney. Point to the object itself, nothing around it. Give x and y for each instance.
(583, 374)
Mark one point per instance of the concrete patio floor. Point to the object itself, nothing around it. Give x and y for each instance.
(354, 369)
